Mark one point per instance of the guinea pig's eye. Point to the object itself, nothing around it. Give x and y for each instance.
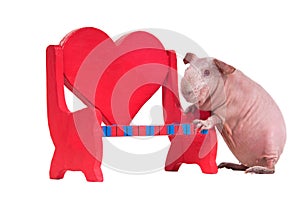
(189, 92)
(206, 73)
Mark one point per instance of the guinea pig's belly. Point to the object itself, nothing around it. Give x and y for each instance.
(248, 142)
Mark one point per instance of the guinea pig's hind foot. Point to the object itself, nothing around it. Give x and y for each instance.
(260, 170)
(233, 166)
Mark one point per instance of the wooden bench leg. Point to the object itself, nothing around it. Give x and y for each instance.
(193, 149)
(78, 146)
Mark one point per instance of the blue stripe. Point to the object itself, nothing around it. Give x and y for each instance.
(108, 131)
(104, 131)
(186, 129)
(127, 130)
(204, 131)
(170, 129)
(149, 130)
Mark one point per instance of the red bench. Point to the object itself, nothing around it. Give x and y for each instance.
(114, 80)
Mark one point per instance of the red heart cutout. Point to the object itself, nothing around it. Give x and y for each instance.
(118, 77)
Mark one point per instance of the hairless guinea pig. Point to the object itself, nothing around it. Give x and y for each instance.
(247, 117)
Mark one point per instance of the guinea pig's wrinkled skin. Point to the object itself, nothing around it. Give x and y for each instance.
(244, 113)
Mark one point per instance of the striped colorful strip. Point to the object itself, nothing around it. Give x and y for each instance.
(170, 129)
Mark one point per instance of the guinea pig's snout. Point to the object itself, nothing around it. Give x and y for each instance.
(186, 89)
(188, 69)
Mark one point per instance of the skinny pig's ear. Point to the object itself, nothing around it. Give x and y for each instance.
(190, 58)
(224, 68)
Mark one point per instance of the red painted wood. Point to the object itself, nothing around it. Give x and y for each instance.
(73, 150)
(95, 67)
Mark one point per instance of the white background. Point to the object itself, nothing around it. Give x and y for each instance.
(261, 38)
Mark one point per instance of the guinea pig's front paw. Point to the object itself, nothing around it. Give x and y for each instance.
(211, 122)
(203, 124)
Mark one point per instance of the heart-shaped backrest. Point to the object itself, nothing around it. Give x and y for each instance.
(119, 77)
